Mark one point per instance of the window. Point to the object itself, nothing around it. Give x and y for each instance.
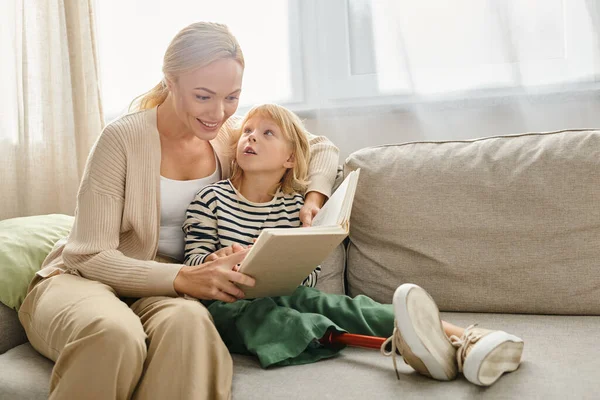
(428, 47)
(311, 54)
(134, 35)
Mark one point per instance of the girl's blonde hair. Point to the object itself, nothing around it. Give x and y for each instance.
(295, 179)
(195, 46)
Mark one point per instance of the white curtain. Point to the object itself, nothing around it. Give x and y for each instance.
(370, 72)
(50, 110)
(403, 70)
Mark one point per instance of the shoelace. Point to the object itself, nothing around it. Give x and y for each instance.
(395, 337)
(469, 337)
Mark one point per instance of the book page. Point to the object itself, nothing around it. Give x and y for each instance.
(331, 211)
(336, 208)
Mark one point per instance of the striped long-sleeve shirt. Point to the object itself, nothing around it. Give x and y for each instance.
(220, 216)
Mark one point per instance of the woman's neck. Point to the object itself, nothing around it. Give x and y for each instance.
(169, 125)
(257, 188)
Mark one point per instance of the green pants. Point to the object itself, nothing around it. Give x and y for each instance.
(285, 330)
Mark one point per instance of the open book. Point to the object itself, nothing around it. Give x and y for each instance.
(281, 258)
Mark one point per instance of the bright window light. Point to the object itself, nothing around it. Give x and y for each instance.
(133, 36)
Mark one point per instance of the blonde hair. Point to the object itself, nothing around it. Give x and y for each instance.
(195, 46)
(295, 179)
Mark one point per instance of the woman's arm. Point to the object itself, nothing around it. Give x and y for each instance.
(312, 204)
(322, 169)
(92, 247)
(215, 280)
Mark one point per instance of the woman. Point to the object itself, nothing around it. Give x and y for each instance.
(107, 305)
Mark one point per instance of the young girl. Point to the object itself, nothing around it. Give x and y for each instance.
(269, 172)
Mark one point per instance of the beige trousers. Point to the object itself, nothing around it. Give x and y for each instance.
(157, 348)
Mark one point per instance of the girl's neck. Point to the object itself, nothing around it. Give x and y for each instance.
(257, 188)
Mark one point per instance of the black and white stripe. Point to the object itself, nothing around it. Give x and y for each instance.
(219, 217)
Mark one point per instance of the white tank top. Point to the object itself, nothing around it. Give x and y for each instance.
(175, 198)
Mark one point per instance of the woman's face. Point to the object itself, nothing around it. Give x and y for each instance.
(206, 97)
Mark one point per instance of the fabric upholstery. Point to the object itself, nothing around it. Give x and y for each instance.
(331, 279)
(559, 361)
(24, 374)
(501, 224)
(12, 333)
(24, 244)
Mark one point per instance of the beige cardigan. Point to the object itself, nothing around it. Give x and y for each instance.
(115, 234)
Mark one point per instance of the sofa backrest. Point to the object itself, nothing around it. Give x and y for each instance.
(12, 333)
(501, 224)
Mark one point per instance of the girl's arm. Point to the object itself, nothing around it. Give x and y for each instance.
(200, 229)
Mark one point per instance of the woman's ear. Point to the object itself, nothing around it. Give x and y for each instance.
(291, 162)
(168, 84)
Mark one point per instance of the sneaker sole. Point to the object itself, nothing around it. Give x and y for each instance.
(418, 320)
(495, 354)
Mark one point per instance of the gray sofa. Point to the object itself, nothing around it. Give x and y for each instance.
(502, 231)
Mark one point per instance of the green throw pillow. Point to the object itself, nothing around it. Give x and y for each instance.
(24, 244)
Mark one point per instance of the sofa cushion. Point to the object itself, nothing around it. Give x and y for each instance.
(12, 333)
(331, 278)
(559, 361)
(24, 244)
(556, 364)
(24, 374)
(501, 224)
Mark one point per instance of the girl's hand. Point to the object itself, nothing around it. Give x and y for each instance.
(313, 202)
(224, 252)
(214, 280)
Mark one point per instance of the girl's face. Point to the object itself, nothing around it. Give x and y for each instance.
(206, 97)
(263, 147)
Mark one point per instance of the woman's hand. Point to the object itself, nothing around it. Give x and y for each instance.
(313, 202)
(224, 252)
(214, 280)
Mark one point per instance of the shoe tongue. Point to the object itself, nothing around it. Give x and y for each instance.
(479, 331)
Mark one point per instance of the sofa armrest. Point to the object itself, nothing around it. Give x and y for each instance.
(12, 333)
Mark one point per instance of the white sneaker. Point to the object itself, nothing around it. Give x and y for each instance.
(419, 335)
(484, 355)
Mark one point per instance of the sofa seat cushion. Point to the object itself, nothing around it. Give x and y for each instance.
(24, 374)
(505, 224)
(559, 361)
